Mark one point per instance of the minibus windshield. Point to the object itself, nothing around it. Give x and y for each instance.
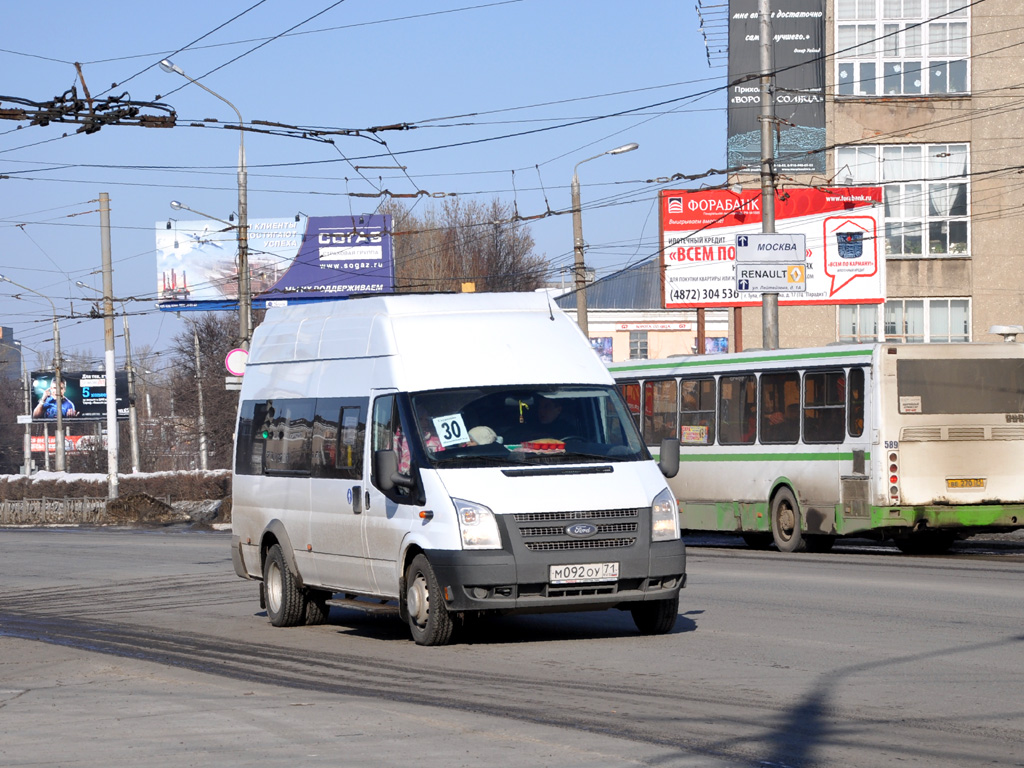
(482, 426)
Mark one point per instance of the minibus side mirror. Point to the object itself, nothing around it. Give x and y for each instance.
(668, 463)
(385, 471)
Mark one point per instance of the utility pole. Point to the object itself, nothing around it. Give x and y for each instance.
(28, 412)
(133, 414)
(203, 462)
(769, 301)
(108, 346)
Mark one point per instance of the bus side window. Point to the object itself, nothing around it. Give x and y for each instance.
(780, 407)
(825, 407)
(630, 392)
(737, 408)
(856, 389)
(697, 412)
(659, 410)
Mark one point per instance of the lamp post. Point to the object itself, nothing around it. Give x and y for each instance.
(244, 296)
(58, 380)
(577, 236)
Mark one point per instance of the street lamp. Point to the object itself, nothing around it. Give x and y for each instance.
(244, 296)
(58, 380)
(577, 232)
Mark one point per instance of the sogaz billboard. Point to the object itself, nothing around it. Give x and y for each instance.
(327, 257)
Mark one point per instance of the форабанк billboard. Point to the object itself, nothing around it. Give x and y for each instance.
(845, 259)
(330, 257)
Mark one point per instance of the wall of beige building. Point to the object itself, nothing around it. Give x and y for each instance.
(991, 120)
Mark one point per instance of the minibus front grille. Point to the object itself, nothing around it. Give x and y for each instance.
(552, 530)
(601, 514)
(578, 544)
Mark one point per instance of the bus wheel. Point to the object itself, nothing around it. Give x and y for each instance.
(786, 522)
(429, 620)
(286, 603)
(758, 540)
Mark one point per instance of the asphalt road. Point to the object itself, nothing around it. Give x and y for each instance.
(143, 648)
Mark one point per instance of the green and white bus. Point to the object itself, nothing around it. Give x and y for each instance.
(918, 443)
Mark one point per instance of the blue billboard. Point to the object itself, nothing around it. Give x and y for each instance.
(327, 257)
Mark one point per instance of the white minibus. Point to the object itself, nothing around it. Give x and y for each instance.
(456, 454)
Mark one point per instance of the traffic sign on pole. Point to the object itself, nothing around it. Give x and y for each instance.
(763, 247)
(771, 278)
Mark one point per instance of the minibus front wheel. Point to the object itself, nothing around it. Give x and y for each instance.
(429, 620)
(286, 604)
(656, 617)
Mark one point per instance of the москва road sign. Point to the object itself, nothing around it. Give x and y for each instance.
(789, 248)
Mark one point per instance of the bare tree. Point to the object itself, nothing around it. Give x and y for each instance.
(439, 250)
(217, 334)
(11, 435)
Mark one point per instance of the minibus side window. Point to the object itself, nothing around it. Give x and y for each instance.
(737, 407)
(249, 445)
(824, 407)
(388, 434)
(339, 429)
(780, 407)
(289, 436)
(660, 410)
(697, 412)
(856, 389)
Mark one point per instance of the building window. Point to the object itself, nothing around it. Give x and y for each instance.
(902, 47)
(638, 345)
(925, 189)
(916, 321)
(858, 323)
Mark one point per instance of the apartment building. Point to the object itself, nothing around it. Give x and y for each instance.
(924, 99)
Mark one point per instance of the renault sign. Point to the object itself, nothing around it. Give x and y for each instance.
(771, 278)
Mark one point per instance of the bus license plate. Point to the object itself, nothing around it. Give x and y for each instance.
(965, 482)
(581, 573)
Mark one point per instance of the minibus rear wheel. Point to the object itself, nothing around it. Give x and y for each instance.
(286, 604)
(429, 620)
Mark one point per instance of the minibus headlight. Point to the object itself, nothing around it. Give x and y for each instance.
(664, 517)
(478, 526)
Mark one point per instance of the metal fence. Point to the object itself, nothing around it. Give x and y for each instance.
(46, 511)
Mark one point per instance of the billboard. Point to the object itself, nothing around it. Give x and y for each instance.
(843, 227)
(85, 395)
(327, 257)
(798, 44)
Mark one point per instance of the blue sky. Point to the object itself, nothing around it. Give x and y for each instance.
(470, 74)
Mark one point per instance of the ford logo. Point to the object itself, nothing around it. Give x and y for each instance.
(581, 530)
